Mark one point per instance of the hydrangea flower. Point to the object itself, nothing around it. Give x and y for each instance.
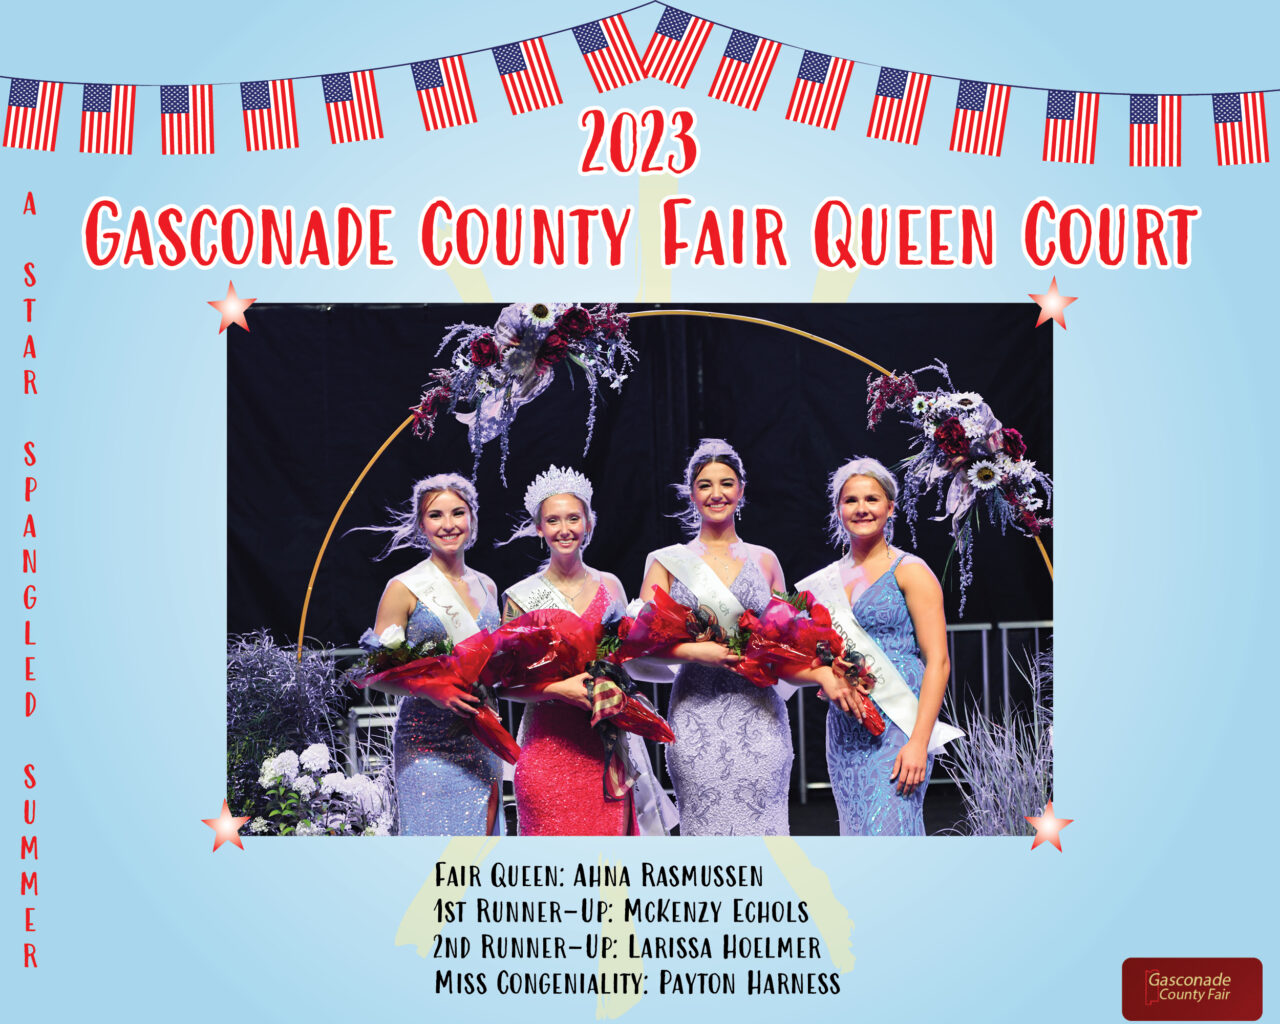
(304, 786)
(333, 782)
(259, 826)
(316, 757)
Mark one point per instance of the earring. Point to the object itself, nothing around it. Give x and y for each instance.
(888, 531)
(737, 513)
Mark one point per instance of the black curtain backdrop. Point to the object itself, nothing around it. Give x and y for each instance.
(314, 390)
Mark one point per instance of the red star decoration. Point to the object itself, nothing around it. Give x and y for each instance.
(226, 827)
(1052, 304)
(232, 308)
(1048, 827)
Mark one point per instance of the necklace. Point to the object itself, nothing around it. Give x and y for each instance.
(571, 598)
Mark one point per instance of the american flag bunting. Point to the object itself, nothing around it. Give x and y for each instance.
(31, 120)
(527, 78)
(818, 95)
(744, 70)
(106, 119)
(443, 93)
(186, 120)
(270, 116)
(898, 108)
(609, 53)
(1070, 127)
(351, 104)
(675, 47)
(1239, 128)
(982, 110)
(1155, 131)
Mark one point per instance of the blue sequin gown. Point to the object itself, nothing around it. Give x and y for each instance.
(444, 777)
(859, 763)
(731, 761)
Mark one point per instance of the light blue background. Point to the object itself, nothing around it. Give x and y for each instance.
(1164, 460)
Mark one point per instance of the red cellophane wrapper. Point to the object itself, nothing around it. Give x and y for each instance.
(460, 670)
(539, 648)
(783, 640)
(436, 676)
(487, 727)
(661, 624)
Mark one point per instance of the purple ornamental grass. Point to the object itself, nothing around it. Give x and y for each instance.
(1004, 769)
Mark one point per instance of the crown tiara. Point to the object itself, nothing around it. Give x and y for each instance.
(554, 480)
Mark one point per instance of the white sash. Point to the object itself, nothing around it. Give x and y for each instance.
(710, 590)
(432, 587)
(655, 813)
(892, 694)
(534, 592)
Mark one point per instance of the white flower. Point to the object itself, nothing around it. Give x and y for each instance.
(333, 782)
(391, 638)
(304, 786)
(967, 400)
(259, 826)
(975, 429)
(287, 763)
(921, 406)
(316, 757)
(1024, 471)
(306, 828)
(1031, 503)
(983, 475)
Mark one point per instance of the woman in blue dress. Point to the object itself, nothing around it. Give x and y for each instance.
(447, 782)
(888, 605)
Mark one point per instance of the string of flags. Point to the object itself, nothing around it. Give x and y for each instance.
(270, 115)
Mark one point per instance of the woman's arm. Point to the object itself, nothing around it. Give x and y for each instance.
(394, 609)
(924, 601)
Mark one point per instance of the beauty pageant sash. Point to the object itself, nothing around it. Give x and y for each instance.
(534, 592)
(892, 694)
(432, 587)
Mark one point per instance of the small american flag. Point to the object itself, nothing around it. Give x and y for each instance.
(982, 110)
(270, 117)
(1239, 128)
(351, 103)
(1155, 131)
(106, 119)
(675, 47)
(443, 93)
(527, 78)
(186, 120)
(1071, 127)
(609, 52)
(31, 121)
(819, 91)
(744, 70)
(898, 108)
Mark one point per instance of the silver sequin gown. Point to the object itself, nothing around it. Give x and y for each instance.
(731, 762)
(444, 775)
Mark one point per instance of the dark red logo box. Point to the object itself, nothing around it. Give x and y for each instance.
(1191, 988)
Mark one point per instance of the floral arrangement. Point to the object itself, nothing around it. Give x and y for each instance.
(305, 798)
(964, 453)
(495, 370)
(437, 670)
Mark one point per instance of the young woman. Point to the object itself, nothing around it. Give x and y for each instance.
(559, 778)
(447, 782)
(888, 606)
(731, 762)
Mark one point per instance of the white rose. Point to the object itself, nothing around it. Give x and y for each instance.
(392, 637)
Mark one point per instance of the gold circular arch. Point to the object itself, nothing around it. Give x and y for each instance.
(306, 601)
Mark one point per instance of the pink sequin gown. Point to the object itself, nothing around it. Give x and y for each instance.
(559, 777)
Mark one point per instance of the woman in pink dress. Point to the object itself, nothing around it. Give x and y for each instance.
(559, 778)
